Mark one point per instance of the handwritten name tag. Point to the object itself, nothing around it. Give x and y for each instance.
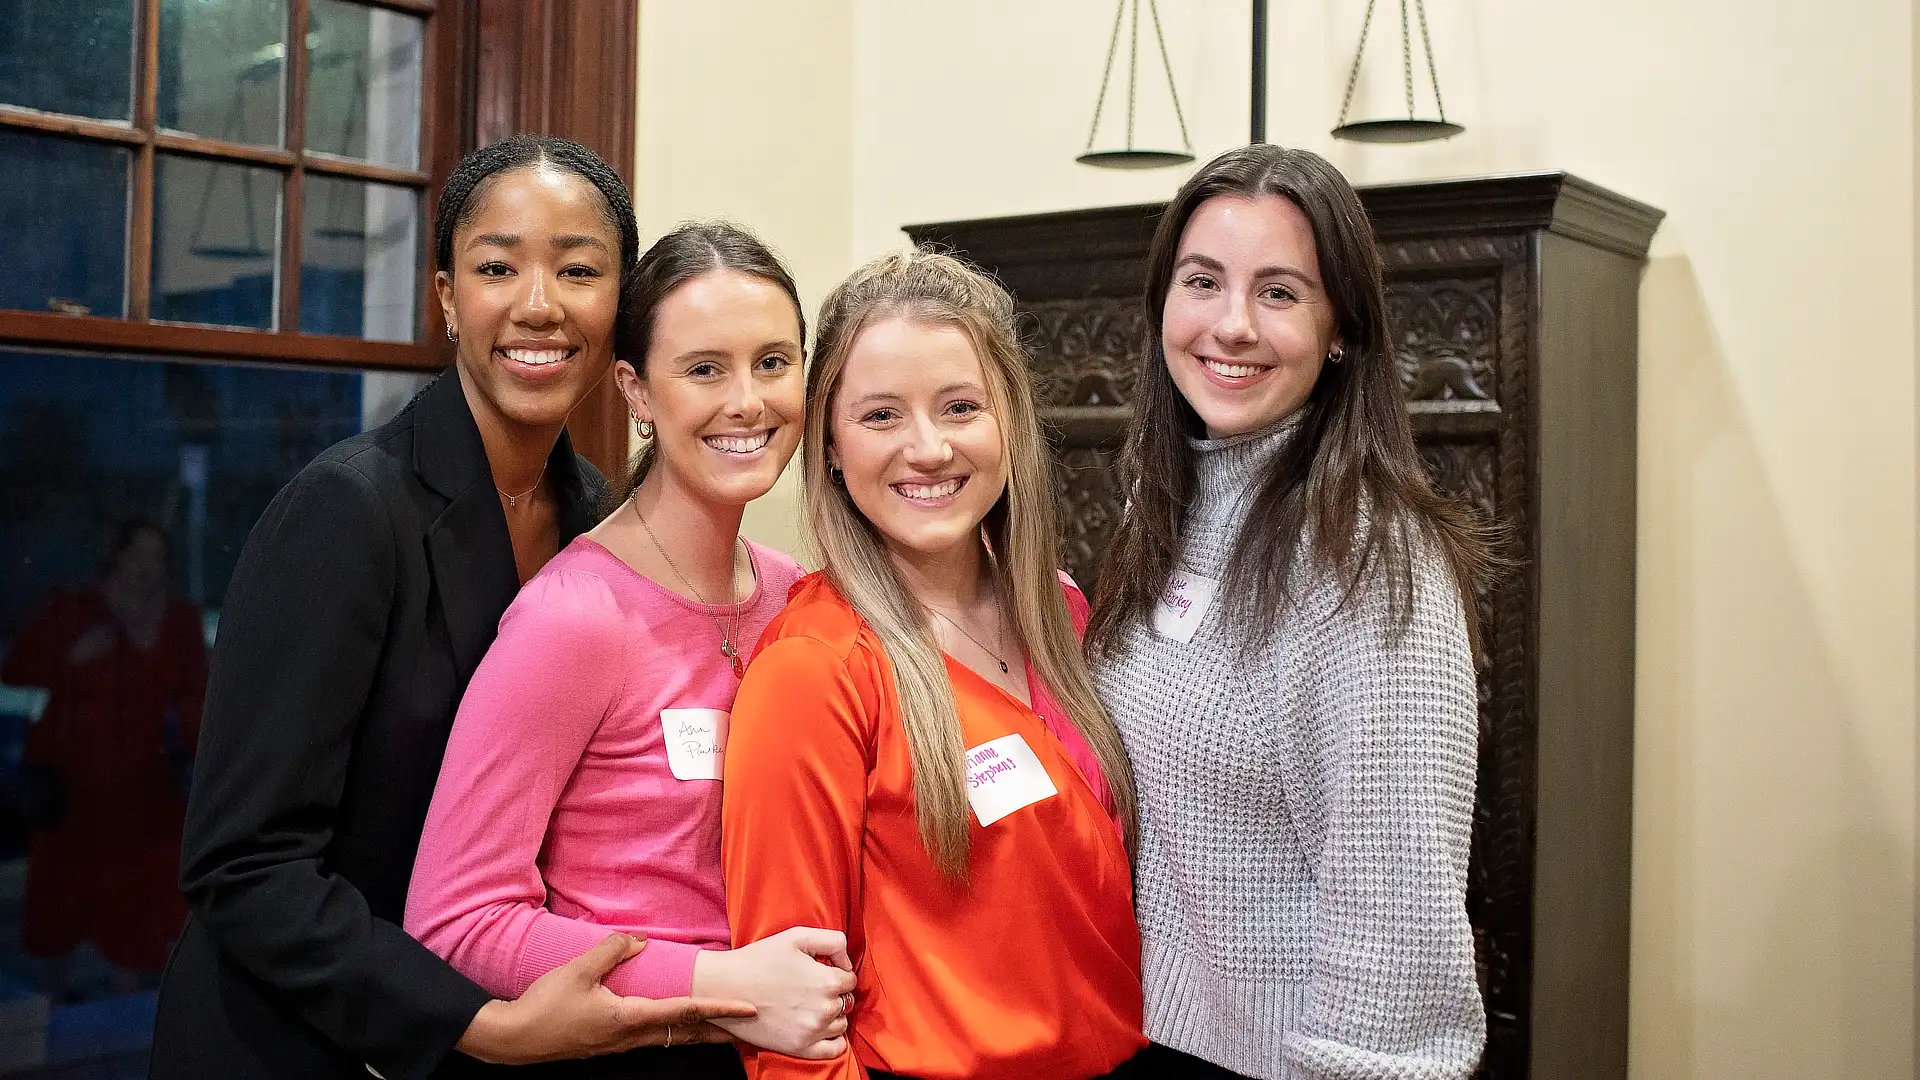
(1183, 605)
(696, 742)
(1003, 775)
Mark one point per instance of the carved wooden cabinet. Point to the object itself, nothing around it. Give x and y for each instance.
(1514, 310)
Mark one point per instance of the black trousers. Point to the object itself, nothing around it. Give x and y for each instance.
(701, 1061)
(1156, 1062)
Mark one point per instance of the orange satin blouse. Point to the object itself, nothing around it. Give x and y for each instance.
(1030, 969)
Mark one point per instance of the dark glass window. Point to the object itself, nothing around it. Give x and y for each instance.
(216, 242)
(97, 705)
(223, 69)
(363, 83)
(68, 56)
(63, 220)
(359, 259)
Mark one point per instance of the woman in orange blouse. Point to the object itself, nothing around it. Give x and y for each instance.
(917, 756)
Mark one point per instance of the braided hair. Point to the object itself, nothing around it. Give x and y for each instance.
(459, 202)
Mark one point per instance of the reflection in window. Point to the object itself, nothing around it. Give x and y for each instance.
(64, 205)
(359, 253)
(127, 489)
(363, 83)
(68, 57)
(223, 68)
(216, 230)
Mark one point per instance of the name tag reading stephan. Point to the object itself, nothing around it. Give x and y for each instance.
(1003, 776)
(1183, 605)
(696, 742)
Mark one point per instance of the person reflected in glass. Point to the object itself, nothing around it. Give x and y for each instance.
(581, 790)
(125, 664)
(364, 599)
(1281, 636)
(917, 756)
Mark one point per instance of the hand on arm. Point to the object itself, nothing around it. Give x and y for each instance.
(796, 980)
(569, 1013)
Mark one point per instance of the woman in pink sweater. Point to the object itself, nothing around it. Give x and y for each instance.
(580, 793)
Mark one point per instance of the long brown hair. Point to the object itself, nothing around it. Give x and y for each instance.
(690, 250)
(1347, 490)
(942, 290)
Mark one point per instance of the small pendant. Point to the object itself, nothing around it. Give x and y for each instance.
(512, 501)
(1003, 667)
(733, 655)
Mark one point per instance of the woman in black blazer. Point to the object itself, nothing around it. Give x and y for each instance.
(365, 597)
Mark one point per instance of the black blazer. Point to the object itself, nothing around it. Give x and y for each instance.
(364, 599)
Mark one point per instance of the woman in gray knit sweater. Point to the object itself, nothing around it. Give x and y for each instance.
(1281, 640)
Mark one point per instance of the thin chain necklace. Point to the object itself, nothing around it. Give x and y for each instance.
(514, 500)
(997, 627)
(726, 635)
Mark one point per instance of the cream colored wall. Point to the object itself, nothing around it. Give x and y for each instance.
(1774, 914)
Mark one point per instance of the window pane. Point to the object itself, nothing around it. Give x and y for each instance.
(64, 205)
(363, 83)
(223, 67)
(69, 57)
(87, 443)
(216, 242)
(359, 259)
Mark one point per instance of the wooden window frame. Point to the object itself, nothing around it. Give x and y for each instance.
(490, 68)
(445, 134)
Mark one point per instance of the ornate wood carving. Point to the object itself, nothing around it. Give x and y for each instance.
(1085, 352)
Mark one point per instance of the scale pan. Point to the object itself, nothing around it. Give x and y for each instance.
(1397, 131)
(1134, 159)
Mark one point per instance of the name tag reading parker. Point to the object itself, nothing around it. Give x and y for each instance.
(1003, 775)
(696, 742)
(1183, 605)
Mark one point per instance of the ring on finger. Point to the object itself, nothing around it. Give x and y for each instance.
(669, 1034)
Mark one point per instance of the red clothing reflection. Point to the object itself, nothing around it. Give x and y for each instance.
(107, 870)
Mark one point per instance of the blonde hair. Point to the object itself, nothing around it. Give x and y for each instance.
(928, 287)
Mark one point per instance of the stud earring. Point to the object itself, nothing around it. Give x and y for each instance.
(646, 429)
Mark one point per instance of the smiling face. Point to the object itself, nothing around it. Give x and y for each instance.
(723, 386)
(915, 435)
(532, 295)
(1246, 323)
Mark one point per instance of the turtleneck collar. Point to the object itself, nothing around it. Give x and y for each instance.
(1226, 470)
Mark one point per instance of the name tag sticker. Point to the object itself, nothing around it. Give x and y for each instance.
(1003, 775)
(696, 742)
(1183, 605)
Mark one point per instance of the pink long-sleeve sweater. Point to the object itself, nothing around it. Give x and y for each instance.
(580, 793)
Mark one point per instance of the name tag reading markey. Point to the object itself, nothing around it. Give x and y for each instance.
(1183, 605)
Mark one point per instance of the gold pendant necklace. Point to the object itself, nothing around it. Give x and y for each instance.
(1004, 669)
(727, 648)
(514, 500)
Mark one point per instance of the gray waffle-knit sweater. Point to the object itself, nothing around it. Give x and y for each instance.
(1305, 813)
